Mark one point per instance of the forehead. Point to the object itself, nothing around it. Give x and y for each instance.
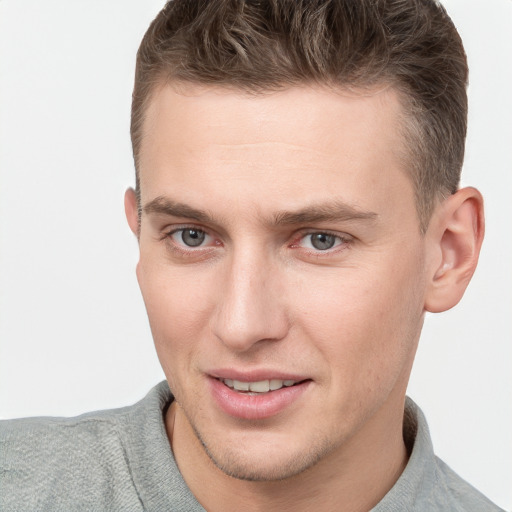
(273, 148)
(297, 113)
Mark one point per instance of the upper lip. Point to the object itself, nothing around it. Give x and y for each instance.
(255, 375)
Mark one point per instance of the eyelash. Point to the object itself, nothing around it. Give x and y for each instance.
(344, 242)
(184, 250)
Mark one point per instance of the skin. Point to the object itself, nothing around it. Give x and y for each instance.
(254, 173)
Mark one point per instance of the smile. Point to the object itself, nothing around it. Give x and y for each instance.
(256, 399)
(261, 386)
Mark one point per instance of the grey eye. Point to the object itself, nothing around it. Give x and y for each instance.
(322, 241)
(193, 237)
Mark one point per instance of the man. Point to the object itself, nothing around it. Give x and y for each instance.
(298, 211)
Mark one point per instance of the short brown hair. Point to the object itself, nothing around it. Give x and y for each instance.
(266, 45)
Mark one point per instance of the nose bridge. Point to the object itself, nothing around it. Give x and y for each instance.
(249, 307)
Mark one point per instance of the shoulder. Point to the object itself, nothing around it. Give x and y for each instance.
(51, 463)
(454, 493)
(438, 486)
(41, 433)
(94, 435)
(427, 483)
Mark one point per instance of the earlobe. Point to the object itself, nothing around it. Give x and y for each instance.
(456, 235)
(131, 211)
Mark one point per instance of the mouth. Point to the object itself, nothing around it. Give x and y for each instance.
(259, 398)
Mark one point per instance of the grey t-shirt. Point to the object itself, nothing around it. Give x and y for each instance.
(120, 460)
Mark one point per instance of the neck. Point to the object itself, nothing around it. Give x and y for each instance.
(354, 478)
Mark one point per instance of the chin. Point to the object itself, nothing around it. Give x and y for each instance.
(265, 462)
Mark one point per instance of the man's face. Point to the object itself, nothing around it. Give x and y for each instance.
(279, 245)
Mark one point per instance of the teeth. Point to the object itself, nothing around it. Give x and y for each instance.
(262, 386)
(275, 384)
(241, 386)
(259, 387)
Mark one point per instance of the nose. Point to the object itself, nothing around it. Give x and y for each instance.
(250, 307)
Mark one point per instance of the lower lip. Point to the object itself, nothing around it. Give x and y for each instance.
(255, 407)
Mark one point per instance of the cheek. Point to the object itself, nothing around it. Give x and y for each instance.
(365, 326)
(177, 308)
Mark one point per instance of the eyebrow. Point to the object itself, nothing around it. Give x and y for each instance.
(336, 211)
(165, 206)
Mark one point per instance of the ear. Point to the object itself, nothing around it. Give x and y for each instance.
(454, 236)
(131, 211)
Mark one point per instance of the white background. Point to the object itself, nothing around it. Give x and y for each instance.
(73, 331)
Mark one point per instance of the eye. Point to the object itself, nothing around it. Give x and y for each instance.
(320, 241)
(189, 237)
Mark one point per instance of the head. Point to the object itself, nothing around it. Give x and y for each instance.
(297, 213)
